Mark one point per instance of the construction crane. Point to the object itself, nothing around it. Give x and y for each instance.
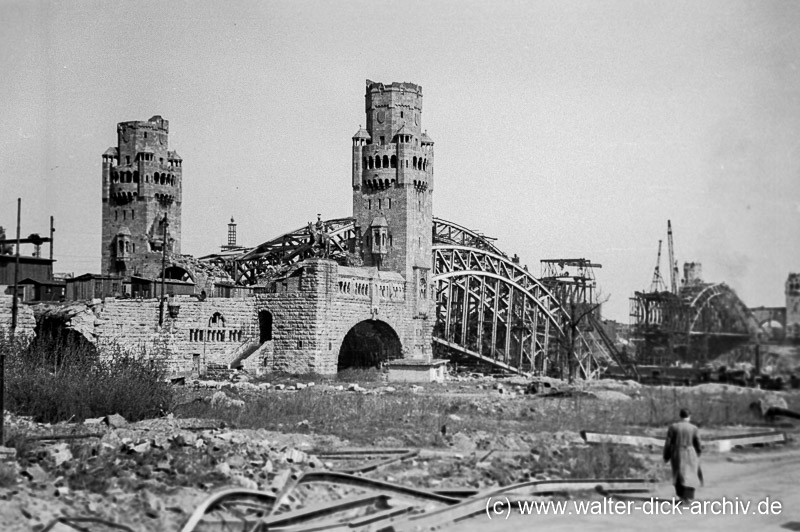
(673, 266)
(657, 284)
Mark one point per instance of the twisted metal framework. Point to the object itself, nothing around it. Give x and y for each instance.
(247, 267)
(488, 306)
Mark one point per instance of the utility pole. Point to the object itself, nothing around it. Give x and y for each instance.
(163, 271)
(14, 302)
(52, 230)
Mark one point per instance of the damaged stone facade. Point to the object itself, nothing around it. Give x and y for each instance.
(194, 335)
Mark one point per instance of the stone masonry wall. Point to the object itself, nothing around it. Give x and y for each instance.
(206, 332)
(25, 321)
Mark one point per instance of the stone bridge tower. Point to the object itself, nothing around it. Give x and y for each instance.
(393, 185)
(142, 182)
(793, 308)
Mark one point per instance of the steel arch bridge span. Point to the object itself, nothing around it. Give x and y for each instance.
(491, 309)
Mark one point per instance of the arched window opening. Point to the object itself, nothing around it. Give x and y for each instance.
(380, 204)
(377, 161)
(371, 163)
(414, 163)
(390, 203)
(364, 164)
(390, 241)
(386, 161)
(216, 320)
(265, 325)
(136, 176)
(394, 161)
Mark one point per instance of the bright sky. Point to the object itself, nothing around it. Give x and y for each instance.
(564, 128)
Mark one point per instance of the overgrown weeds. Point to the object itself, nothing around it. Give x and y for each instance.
(57, 379)
(361, 419)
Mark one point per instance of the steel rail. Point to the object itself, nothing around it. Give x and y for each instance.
(217, 498)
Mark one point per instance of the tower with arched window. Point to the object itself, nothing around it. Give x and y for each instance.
(142, 181)
(393, 183)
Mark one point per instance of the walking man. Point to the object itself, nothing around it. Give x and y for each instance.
(682, 448)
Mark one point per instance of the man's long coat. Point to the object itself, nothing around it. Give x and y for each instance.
(682, 450)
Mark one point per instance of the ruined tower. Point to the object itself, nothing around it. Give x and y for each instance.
(393, 184)
(793, 308)
(142, 182)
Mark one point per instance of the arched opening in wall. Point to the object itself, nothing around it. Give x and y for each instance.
(386, 161)
(177, 273)
(774, 329)
(377, 161)
(216, 320)
(264, 326)
(55, 343)
(368, 344)
(394, 161)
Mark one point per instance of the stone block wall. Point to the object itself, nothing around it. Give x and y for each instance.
(26, 323)
(206, 332)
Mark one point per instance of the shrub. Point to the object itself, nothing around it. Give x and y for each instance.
(56, 379)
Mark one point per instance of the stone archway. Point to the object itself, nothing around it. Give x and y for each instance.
(367, 344)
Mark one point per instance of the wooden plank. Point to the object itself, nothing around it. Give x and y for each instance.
(720, 444)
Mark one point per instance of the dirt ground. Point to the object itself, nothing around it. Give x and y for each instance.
(751, 478)
(151, 475)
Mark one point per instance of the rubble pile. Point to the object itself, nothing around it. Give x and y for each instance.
(149, 475)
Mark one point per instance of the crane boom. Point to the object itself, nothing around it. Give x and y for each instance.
(657, 284)
(673, 267)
